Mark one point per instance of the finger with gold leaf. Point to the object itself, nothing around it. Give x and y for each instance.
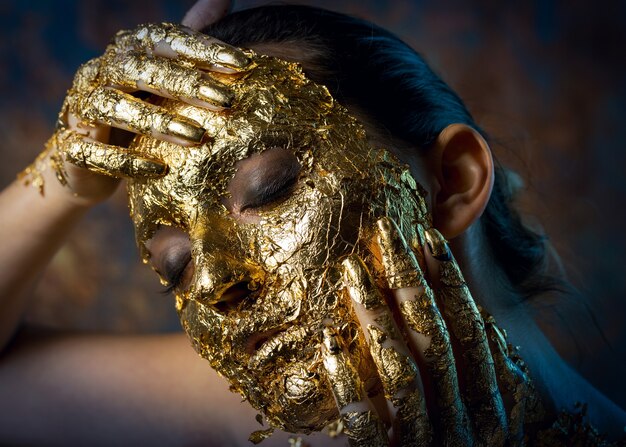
(519, 395)
(361, 423)
(181, 45)
(90, 103)
(164, 77)
(467, 330)
(426, 333)
(105, 105)
(104, 158)
(396, 368)
(184, 44)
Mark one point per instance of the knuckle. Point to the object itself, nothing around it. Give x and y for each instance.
(122, 37)
(87, 74)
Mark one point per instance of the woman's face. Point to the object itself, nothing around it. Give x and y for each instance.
(251, 228)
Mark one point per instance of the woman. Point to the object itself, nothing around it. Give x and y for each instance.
(363, 67)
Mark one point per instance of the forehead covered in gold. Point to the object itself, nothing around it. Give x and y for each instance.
(275, 106)
(288, 258)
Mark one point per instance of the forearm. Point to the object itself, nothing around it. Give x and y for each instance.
(116, 390)
(33, 226)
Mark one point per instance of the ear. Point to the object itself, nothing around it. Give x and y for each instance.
(463, 166)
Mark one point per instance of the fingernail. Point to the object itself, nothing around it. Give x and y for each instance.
(401, 267)
(233, 58)
(331, 341)
(344, 379)
(144, 167)
(216, 95)
(449, 273)
(360, 283)
(184, 129)
(438, 245)
(499, 336)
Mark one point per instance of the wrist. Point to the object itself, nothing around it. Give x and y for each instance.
(66, 186)
(41, 183)
(63, 196)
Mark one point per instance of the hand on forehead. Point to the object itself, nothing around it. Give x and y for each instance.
(275, 106)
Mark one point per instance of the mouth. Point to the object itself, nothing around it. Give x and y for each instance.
(268, 345)
(258, 339)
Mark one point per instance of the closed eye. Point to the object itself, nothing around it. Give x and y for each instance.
(273, 190)
(176, 264)
(170, 255)
(263, 179)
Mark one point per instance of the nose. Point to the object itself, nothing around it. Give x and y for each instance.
(225, 282)
(224, 277)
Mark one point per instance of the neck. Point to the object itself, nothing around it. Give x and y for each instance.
(558, 383)
(489, 284)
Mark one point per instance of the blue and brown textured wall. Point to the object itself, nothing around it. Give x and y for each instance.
(545, 78)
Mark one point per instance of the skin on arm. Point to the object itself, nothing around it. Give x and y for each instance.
(37, 226)
(58, 389)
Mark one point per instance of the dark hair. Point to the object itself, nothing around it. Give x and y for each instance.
(367, 67)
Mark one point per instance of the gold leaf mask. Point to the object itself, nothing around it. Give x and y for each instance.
(267, 343)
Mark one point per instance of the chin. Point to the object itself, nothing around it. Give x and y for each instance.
(301, 403)
(293, 396)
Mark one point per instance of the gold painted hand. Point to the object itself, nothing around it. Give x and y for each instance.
(165, 60)
(445, 370)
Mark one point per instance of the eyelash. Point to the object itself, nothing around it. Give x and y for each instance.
(170, 288)
(275, 191)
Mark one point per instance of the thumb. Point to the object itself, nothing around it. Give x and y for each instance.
(205, 12)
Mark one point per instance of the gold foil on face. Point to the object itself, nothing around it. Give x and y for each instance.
(267, 344)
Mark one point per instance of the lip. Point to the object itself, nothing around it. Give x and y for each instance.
(271, 344)
(258, 339)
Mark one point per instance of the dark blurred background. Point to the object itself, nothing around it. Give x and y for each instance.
(545, 78)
